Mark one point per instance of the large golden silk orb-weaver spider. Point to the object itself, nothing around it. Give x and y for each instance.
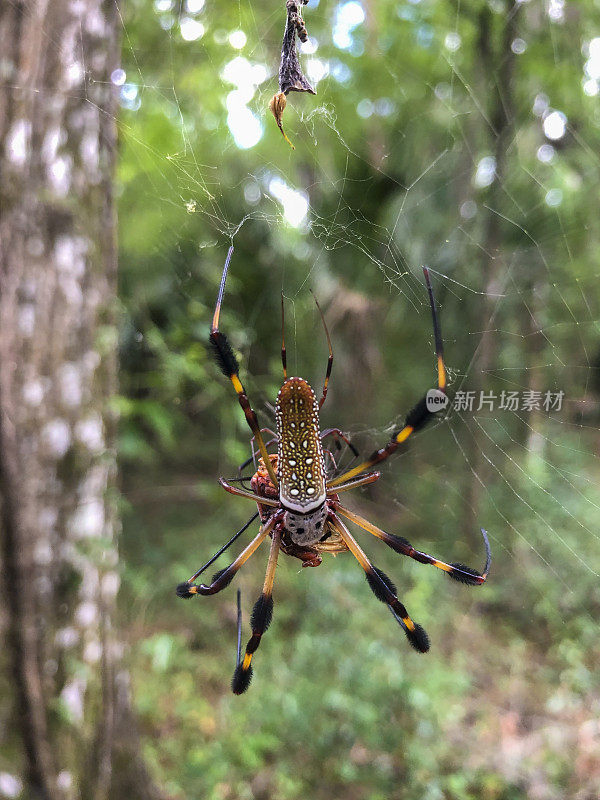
(300, 509)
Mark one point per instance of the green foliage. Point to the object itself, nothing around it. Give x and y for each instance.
(339, 705)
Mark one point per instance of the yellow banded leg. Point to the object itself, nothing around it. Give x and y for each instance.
(265, 501)
(283, 350)
(437, 334)
(364, 480)
(262, 613)
(418, 416)
(224, 577)
(456, 571)
(222, 549)
(227, 361)
(384, 590)
(330, 358)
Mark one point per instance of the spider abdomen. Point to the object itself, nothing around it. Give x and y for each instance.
(300, 465)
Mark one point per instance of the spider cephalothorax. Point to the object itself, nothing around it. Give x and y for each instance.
(300, 509)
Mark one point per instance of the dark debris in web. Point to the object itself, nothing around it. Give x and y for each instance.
(291, 77)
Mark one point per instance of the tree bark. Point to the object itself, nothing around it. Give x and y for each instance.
(57, 375)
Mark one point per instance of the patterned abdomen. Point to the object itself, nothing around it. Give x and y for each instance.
(300, 464)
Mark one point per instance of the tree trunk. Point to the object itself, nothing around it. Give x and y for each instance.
(57, 375)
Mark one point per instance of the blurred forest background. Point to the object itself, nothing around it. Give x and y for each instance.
(462, 135)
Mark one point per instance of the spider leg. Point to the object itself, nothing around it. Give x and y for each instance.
(456, 571)
(329, 360)
(262, 614)
(227, 361)
(331, 457)
(418, 416)
(252, 458)
(264, 501)
(337, 435)
(221, 550)
(239, 626)
(383, 589)
(223, 577)
(363, 480)
(242, 480)
(283, 350)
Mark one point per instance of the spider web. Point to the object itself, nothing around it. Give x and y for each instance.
(512, 262)
(276, 197)
(492, 199)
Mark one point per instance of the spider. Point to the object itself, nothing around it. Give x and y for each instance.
(299, 508)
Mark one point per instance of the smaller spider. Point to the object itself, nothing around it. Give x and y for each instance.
(300, 509)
